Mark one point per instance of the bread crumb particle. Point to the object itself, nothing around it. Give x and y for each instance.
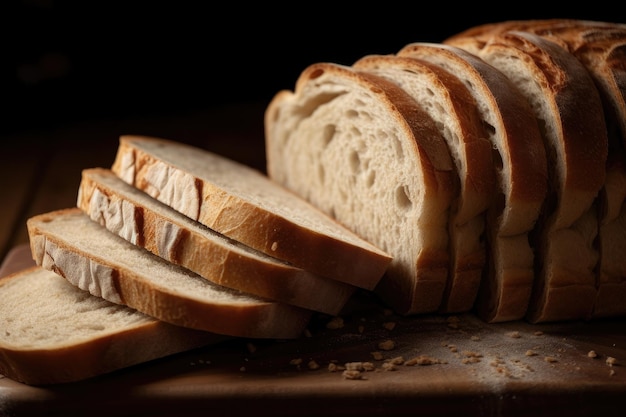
(530, 352)
(354, 375)
(335, 323)
(296, 362)
(333, 367)
(612, 372)
(313, 365)
(274, 246)
(389, 366)
(387, 345)
(515, 335)
(377, 356)
(538, 333)
(398, 360)
(423, 360)
(390, 325)
(592, 354)
(550, 359)
(611, 361)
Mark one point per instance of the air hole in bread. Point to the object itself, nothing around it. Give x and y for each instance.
(355, 162)
(328, 134)
(352, 114)
(402, 198)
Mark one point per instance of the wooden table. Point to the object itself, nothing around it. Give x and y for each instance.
(436, 365)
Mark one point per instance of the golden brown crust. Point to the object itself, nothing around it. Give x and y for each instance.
(103, 353)
(212, 256)
(128, 284)
(258, 226)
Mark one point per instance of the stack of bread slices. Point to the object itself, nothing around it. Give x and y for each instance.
(490, 166)
(483, 174)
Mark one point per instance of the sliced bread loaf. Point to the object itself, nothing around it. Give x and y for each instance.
(521, 167)
(449, 103)
(94, 259)
(245, 205)
(53, 332)
(568, 107)
(146, 222)
(362, 150)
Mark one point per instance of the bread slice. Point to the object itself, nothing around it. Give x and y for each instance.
(449, 103)
(146, 222)
(53, 332)
(245, 205)
(521, 167)
(94, 259)
(362, 150)
(567, 104)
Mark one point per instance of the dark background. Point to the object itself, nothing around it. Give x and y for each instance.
(64, 61)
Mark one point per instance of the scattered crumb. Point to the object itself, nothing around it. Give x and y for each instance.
(387, 345)
(423, 360)
(611, 361)
(592, 354)
(377, 356)
(514, 335)
(550, 359)
(349, 374)
(453, 348)
(360, 366)
(538, 333)
(530, 352)
(333, 367)
(453, 322)
(612, 372)
(390, 325)
(471, 357)
(335, 323)
(313, 365)
(296, 362)
(387, 366)
(398, 360)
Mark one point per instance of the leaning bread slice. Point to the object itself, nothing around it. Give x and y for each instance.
(363, 150)
(449, 103)
(245, 205)
(53, 332)
(520, 163)
(146, 222)
(94, 259)
(567, 104)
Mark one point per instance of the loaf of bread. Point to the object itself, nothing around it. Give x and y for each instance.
(96, 260)
(243, 204)
(521, 168)
(148, 223)
(53, 332)
(363, 150)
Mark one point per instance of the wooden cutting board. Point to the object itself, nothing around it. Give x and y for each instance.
(426, 365)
